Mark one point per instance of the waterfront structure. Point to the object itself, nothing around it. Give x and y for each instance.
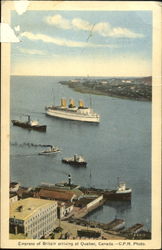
(89, 201)
(32, 217)
(60, 195)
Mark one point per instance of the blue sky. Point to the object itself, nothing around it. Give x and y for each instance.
(81, 43)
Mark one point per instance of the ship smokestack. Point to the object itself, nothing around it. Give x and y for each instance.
(81, 103)
(63, 102)
(69, 179)
(72, 103)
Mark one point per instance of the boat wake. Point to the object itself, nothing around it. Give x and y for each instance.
(24, 155)
(29, 144)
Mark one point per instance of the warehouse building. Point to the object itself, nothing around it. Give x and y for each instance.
(35, 218)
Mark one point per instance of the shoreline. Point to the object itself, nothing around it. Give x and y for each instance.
(129, 88)
(97, 92)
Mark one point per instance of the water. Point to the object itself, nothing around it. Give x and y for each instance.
(120, 146)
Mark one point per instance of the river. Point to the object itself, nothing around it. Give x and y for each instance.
(120, 146)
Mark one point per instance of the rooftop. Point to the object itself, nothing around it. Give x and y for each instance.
(56, 194)
(29, 206)
(13, 184)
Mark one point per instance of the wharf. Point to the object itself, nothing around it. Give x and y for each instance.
(72, 229)
(112, 226)
(82, 212)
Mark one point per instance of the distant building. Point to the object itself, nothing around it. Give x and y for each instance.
(75, 81)
(14, 186)
(13, 197)
(25, 192)
(33, 217)
(103, 82)
(127, 81)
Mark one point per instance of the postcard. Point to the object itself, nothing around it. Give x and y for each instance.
(81, 125)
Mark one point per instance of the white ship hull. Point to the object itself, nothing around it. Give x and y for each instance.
(73, 116)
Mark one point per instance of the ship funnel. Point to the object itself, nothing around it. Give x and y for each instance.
(63, 102)
(72, 103)
(69, 179)
(81, 103)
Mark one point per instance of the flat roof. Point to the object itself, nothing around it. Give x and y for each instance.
(29, 206)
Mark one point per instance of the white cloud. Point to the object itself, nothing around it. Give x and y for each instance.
(103, 28)
(32, 51)
(106, 30)
(81, 24)
(58, 21)
(62, 42)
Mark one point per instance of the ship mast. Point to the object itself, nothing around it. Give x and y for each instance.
(53, 97)
(90, 178)
(28, 118)
(90, 100)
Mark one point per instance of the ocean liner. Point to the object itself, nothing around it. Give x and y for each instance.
(71, 112)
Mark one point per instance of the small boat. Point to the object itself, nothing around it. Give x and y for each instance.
(29, 124)
(76, 160)
(51, 150)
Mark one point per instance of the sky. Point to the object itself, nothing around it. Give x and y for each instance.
(81, 43)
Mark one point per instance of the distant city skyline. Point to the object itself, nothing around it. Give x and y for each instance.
(82, 43)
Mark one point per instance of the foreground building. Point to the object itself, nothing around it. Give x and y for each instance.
(32, 217)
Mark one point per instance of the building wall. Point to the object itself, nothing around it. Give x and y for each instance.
(63, 210)
(38, 224)
(13, 199)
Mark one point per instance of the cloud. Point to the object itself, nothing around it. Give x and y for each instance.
(58, 21)
(62, 42)
(32, 51)
(102, 28)
(106, 30)
(81, 24)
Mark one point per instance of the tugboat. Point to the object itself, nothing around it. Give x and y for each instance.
(77, 160)
(52, 150)
(80, 113)
(29, 124)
